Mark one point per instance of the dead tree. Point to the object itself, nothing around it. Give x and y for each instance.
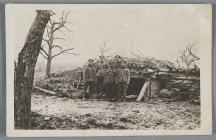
(188, 58)
(24, 70)
(104, 49)
(52, 28)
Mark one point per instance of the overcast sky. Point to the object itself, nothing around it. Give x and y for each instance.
(159, 31)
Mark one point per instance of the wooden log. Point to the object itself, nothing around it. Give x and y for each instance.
(142, 92)
(131, 97)
(172, 76)
(45, 91)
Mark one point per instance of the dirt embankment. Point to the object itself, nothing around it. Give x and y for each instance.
(61, 83)
(52, 112)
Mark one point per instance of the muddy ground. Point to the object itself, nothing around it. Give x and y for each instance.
(52, 112)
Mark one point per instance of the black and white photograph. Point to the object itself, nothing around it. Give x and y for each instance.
(108, 69)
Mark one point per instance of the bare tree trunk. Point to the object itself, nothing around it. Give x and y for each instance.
(24, 71)
(52, 28)
(48, 67)
(49, 60)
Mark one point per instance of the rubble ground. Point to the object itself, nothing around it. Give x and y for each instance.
(52, 112)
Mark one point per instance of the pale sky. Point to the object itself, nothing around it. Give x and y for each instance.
(158, 31)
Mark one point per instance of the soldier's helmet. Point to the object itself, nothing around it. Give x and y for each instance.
(117, 56)
(91, 60)
(101, 56)
(111, 62)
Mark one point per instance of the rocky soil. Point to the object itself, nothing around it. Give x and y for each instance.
(53, 112)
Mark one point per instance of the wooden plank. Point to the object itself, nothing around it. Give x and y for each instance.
(142, 92)
(45, 91)
(147, 94)
(78, 83)
(149, 88)
(131, 96)
(87, 90)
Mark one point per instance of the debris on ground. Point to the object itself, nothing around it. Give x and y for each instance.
(52, 112)
(61, 83)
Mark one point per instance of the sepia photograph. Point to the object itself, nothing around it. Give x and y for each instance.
(108, 69)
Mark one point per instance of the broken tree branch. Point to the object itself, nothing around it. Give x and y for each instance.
(44, 52)
(192, 54)
(47, 41)
(71, 53)
(57, 46)
(60, 38)
(62, 52)
(43, 55)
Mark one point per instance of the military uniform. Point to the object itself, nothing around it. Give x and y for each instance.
(90, 78)
(122, 80)
(110, 82)
(100, 81)
(118, 61)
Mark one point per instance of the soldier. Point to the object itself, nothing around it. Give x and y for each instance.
(102, 60)
(118, 61)
(100, 80)
(122, 80)
(89, 77)
(110, 81)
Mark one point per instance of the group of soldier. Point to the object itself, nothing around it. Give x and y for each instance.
(108, 78)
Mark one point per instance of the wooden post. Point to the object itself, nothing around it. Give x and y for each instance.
(147, 94)
(142, 92)
(149, 89)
